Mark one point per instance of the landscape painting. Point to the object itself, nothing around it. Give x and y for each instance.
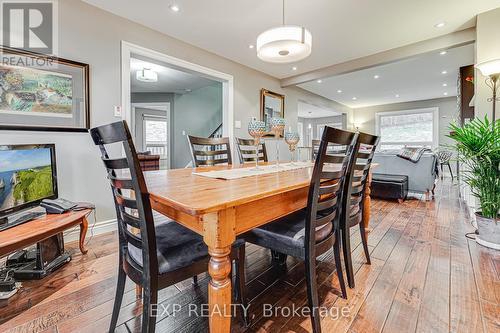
(25, 176)
(34, 92)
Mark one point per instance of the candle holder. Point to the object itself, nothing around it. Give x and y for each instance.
(292, 138)
(256, 129)
(277, 127)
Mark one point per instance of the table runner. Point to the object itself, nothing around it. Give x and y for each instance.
(249, 170)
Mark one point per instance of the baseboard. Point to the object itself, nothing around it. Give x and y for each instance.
(96, 228)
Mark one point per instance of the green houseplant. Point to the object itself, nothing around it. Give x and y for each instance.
(478, 147)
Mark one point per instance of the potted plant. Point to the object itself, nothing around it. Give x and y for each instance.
(478, 147)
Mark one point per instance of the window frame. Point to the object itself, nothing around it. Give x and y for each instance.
(153, 117)
(321, 127)
(435, 125)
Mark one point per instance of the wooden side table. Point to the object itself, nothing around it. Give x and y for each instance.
(32, 232)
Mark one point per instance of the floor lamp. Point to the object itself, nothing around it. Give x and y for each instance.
(491, 69)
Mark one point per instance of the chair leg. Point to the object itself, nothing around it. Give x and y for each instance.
(120, 288)
(149, 298)
(312, 293)
(364, 241)
(442, 173)
(346, 247)
(451, 172)
(195, 280)
(241, 285)
(278, 258)
(338, 265)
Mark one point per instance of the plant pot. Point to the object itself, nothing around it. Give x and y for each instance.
(489, 232)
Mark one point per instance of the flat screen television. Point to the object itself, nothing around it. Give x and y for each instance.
(27, 176)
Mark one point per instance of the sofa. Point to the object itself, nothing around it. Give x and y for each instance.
(421, 175)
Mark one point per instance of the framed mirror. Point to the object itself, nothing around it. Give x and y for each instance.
(271, 105)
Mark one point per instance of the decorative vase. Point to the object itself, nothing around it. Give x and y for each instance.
(256, 129)
(489, 231)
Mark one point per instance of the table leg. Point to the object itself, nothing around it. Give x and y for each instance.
(367, 203)
(83, 232)
(219, 234)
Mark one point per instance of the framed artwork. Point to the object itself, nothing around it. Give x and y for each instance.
(271, 105)
(43, 93)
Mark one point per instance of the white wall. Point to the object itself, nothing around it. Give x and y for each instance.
(93, 36)
(448, 112)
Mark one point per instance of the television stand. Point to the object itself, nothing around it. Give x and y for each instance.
(19, 218)
(34, 231)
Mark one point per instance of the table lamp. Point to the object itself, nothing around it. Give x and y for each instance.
(491, 69)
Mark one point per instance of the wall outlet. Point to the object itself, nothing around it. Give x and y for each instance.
(118, 111)
(237, 124)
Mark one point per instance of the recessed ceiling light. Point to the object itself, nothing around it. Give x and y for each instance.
(443, 52)
(444, 72)
(354, 98)
(376, 76)
(440, 24)
(445, 84)
(445, 93)
(174, 8)
(339, 91)
(294, 68)
(397, 95)
(319, 81)
(251, 46)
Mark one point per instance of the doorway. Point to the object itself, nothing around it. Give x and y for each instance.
(165, 99)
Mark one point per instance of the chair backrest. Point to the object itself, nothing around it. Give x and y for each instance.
(209, 151)
(131, 197)
(444, 156)
(354, 192)
(327, 184)
(246, 150)
(315, 148)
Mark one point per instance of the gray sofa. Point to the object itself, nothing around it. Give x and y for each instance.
(421, 175)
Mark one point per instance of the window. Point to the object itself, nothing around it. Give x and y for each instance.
(300, 129)
(321, 127)
(416, 128)
(156, 135)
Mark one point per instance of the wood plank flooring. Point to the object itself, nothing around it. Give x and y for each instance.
(426, 276)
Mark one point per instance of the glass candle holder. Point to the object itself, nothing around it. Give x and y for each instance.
(256, 129)
(292, 139)
(277, 126)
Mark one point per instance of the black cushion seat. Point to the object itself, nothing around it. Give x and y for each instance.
(389, 186)
(286, 235)
(177, 246)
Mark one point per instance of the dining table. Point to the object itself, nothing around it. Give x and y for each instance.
(220, 210)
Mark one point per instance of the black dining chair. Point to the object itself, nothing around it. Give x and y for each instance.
(246, 150)
(354, 199)
(163, 252)
(308, 233)
(209, 151)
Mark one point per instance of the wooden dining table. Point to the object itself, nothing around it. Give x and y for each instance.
(220, 210)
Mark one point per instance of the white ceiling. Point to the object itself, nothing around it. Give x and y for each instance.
(306, 110)
(169, 80)
(342, 30)
(413, 79)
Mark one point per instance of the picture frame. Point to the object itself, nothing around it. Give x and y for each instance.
(43, 93)
(271, 105)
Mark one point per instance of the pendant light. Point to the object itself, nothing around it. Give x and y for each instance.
(284, 44)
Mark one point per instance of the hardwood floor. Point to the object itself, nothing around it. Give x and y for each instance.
(425, 277)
